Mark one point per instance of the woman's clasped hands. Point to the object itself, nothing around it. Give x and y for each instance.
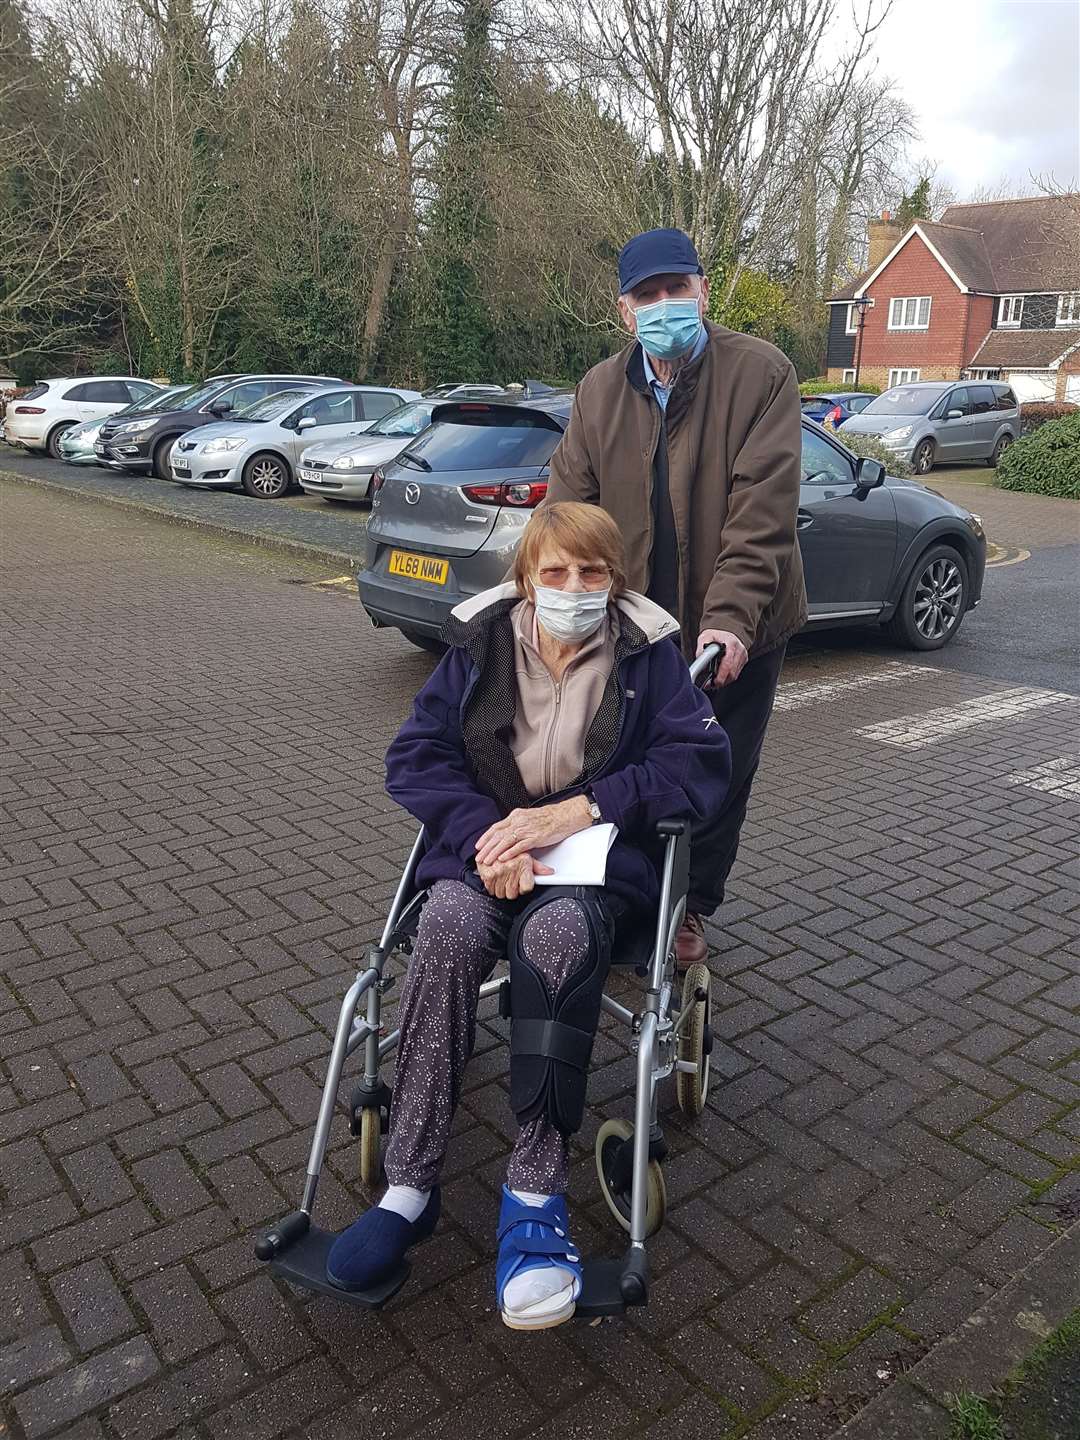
(504, 859)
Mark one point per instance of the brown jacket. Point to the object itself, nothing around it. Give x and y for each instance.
(734, 448)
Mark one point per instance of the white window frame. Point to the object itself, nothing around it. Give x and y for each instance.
(1010, 312)
(847, 377)
(851, 319)
(903, 375)
(1068, 311)
(898, 317)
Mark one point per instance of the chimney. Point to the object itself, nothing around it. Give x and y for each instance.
(882, 235)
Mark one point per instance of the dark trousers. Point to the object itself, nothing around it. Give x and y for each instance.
(743, 709)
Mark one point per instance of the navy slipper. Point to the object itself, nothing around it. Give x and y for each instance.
(373, 1247)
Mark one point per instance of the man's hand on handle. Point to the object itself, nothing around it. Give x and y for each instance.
(733, 658)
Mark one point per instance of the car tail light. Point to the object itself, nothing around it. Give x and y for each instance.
(378, 480)
(522, 494)
(834, 415)
(29, 410)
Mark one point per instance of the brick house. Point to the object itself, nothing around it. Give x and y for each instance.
(990, 291)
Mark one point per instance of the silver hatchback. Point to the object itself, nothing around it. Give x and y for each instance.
(342, 469)
(258, 449)
(941, 422)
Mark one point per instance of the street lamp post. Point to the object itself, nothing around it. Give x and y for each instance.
(862, 303)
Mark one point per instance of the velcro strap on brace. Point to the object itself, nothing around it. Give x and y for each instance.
(550, 1038)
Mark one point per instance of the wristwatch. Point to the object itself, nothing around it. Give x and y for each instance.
(594, 808)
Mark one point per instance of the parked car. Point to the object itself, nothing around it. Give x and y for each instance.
(143, 444)
(257, 449)
(76, 445)
(941, 422)
(835, 408)
(447, 515)
(342, 469)
(37, 419)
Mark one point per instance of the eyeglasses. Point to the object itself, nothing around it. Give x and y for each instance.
(592, 577)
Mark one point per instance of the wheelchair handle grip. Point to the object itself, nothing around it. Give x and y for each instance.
(703, 670)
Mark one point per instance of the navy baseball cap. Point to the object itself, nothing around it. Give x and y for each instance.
(657, 252)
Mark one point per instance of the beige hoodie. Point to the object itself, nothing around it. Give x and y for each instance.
(552, 719)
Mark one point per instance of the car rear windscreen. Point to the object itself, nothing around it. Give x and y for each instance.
(485, 440)
(36, 391)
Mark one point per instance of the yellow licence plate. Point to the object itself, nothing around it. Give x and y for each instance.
(419, 567)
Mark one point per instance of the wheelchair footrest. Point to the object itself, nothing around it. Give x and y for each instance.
(602, 1290)
(303, 1263)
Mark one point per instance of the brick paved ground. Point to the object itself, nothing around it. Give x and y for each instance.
(197, 847)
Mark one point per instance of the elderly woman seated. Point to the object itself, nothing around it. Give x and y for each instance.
(564, 701)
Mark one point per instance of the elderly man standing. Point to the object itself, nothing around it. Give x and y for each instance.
(690, 438)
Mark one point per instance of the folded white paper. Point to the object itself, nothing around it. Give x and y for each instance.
(580, 860)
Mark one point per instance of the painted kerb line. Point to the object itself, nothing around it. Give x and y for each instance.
(916, 731)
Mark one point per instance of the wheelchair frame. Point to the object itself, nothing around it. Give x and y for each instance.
(296, 1248)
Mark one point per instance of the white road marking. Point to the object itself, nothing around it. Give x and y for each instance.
(916, 731)
(797, 693)
(1055, 777)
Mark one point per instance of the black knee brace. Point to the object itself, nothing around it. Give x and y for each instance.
(551, 1036)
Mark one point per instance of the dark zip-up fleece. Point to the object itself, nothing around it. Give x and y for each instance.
(733, 453)
(653, 751)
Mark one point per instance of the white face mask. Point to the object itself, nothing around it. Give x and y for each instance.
(570, 615)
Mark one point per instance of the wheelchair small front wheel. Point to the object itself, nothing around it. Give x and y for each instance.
(612, 1136)
(692, 1086)
(370, 1146)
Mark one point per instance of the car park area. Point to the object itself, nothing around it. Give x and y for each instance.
(892, 1124)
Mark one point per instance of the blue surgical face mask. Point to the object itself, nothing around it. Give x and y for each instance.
(668, 328)
(571, 615)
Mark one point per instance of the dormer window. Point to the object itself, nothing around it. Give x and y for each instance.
(1010, 311)
(1068, 311)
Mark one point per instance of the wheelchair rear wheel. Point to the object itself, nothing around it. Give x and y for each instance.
(370, 1146)
(695, 1042)
(612, 1136)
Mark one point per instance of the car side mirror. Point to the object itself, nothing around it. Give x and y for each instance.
(869, 474)
(219, 407)
(306, 422)
(954, 415)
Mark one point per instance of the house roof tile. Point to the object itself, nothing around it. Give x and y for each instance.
(1024, 349)
(1005, 246)
(1032, 245)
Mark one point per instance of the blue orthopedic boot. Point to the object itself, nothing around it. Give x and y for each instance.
(536, 1238)
(373, 1247)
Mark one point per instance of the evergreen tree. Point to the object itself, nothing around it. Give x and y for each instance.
(459, 336)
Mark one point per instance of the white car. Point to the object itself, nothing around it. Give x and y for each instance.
(37, 419)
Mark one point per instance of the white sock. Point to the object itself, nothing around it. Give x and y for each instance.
(538, 1285)
(405, 1201)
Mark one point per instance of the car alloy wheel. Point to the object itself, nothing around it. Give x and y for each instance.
(999, 449)
(923, 460)
(52, 445)
(939, 594)
(266, 478)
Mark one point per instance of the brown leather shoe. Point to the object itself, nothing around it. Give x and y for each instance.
(690, 944)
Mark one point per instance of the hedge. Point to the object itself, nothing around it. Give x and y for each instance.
(1046, 462)
(1036, 413)
(821, 386)
(872, 448)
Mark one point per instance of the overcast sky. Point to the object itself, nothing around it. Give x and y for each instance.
(993, 84)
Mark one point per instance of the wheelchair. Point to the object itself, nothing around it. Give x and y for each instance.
(671, 1035)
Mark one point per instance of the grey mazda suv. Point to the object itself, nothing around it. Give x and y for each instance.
(447, 515)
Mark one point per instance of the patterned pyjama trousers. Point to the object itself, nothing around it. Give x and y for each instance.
(463, 934)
